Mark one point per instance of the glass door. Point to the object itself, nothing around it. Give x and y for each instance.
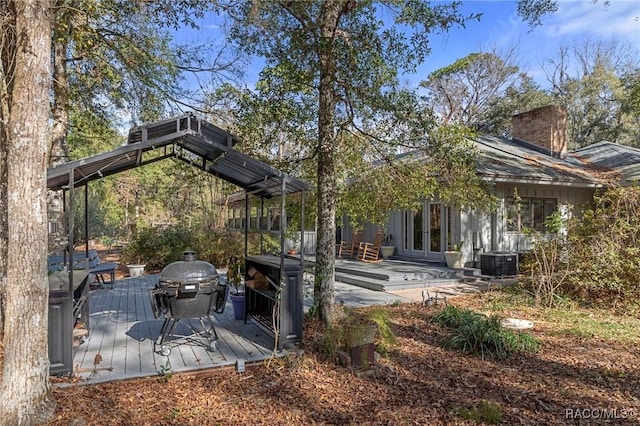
(425, 231)
(436, 230)
(418, 231)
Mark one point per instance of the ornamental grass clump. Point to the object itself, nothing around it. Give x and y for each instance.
(477, 334)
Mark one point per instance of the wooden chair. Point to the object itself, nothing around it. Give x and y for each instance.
(349, 248)
(370, 252)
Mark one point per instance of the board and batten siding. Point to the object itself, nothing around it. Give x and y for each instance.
(577, 198)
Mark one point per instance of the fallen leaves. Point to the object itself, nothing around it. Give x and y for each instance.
(419, 383)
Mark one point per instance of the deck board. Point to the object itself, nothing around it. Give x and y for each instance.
(122, 330)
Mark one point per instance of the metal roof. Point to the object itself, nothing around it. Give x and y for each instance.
(189, 139)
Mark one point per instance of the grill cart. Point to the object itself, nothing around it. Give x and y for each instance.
(188, 289)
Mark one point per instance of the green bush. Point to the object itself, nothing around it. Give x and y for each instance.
(597, 261)
(157, 247)
(474, 333)
(386, 337)
(604, 249)
(454, 317)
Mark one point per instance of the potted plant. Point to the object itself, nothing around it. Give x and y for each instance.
(136, 269)
(454, 256)
(234, 279)
(359, 331)
(387, 248)
(134, 255)
(293, 235)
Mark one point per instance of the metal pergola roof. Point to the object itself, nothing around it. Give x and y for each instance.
(189, 139)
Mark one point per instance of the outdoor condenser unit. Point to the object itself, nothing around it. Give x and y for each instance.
(499, 263)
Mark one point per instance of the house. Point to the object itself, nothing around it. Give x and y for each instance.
(533, 175)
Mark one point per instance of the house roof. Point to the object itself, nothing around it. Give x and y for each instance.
(189, 139)
(611, 160)
(512, 160)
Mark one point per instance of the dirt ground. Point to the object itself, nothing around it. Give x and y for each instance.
(572, 380)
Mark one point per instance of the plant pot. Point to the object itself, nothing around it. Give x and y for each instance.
(358, 335)
(387, 251)
(237, 300)
(453, 258)
(135, 270)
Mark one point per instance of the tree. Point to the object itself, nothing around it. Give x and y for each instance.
(482, 91)
(594, 79)
(342, 61)
(111, 56)
(24, 77)
(347, 56)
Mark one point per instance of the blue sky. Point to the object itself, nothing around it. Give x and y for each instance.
(501, 28)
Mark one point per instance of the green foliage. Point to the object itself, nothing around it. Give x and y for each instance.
(533, 10)
(484, 411)
(157, 247)
(604, 249)
(234, 272)
(599, 323)
(453, 317)
(473, 333)
(166, 372)
(335, 336)
(546, 265)
(118, 55)
(605, 70)
(386, 337)
(337, 67)
(332, 341)
(482, 91)
(458, 246)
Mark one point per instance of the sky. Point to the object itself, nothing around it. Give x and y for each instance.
(501, 28)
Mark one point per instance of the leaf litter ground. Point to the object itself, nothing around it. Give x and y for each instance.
(417, 383)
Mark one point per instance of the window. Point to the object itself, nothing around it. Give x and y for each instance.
(527, 212)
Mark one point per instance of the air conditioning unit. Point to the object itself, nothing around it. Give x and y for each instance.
(499, 263)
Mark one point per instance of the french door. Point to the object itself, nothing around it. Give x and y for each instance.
(425, 231)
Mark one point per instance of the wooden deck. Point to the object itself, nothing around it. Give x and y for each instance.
(122, 331)
(122, 328)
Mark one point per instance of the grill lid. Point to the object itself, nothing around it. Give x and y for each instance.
(189, 270)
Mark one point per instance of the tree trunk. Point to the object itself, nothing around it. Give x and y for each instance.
(7, 48)
(59, 150)
(59, 147)
(25, 389)
(325, 250)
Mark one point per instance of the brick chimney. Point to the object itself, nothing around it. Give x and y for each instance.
(545, 127)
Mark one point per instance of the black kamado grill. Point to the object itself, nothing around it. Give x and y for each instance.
(188, 289)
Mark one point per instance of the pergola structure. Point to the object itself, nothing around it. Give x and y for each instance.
(192, 140)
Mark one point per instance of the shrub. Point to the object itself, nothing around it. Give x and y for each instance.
(474, 333)
(453, 317)
(597, 261)
(604, 249)
(157, 247)
(386, 337)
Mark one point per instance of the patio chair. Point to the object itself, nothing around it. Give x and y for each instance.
(349, 248)
(98, 269)
(370, 252)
